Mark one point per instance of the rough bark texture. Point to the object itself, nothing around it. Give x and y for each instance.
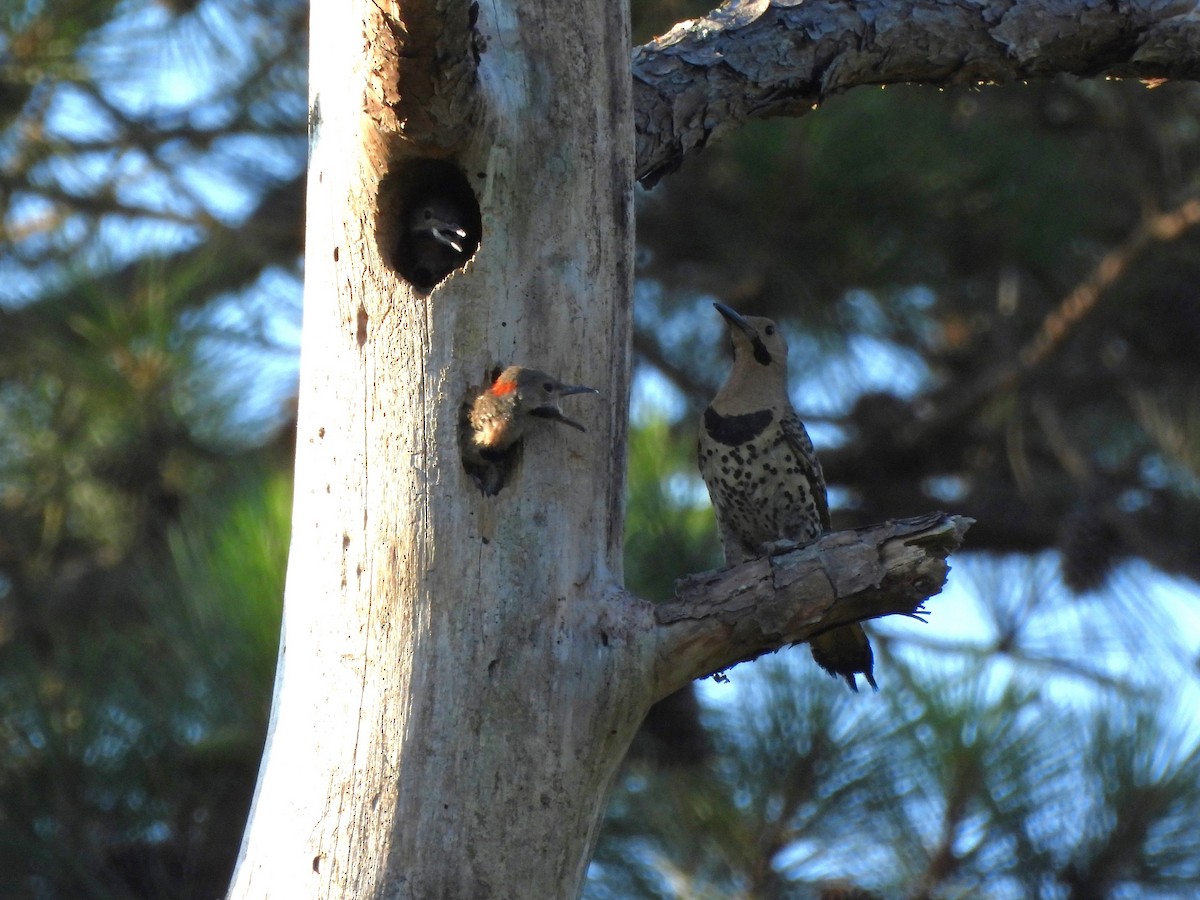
(454, 695)
(460, 675)
(422, 84)
(761, 58)
(732, 615)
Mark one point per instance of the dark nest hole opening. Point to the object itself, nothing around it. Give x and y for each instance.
(428, 221)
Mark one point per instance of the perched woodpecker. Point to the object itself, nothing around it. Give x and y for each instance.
(498, 418)
(437, 240)
(763, 475)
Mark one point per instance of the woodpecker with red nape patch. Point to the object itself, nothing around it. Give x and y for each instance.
(437, 240)
(763, 475)
(495, 422)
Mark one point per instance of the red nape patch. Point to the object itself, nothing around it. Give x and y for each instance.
(503, 387)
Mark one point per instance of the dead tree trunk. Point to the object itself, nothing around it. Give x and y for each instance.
(460, 675)
(454, 692)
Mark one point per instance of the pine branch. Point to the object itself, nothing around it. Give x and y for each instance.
(732, 615)
(1157, 227)
(960, 400)
(757, 59)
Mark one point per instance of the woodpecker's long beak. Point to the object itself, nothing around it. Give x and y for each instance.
(733, 317)
(761, 355)
(445, 233)
(567, 389)
(550, 411)
(553, 412)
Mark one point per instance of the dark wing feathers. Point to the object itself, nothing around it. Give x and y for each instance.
(806, 458)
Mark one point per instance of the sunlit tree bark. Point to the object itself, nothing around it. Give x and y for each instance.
(460, 675)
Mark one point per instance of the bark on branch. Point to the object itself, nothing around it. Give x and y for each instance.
(760, 58)
(733, 615)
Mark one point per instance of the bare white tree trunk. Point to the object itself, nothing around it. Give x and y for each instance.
(460, 676)
(453, 694)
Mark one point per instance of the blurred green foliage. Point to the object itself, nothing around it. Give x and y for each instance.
(133, 723)
(1036, 738)
(669, 525)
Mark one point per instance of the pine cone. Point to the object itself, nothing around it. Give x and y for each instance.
(1090, 549)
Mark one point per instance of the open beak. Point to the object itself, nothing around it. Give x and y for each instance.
(553, 412)
(733, 317)
(450, 235)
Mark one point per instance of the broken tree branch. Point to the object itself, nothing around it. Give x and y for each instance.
(732, 615)
(758, 58)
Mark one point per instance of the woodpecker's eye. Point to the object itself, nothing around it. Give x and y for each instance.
(770, 330)
(548, 387)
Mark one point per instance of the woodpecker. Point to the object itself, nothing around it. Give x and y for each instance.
(436, 238)
(496, 420)
(763, 475)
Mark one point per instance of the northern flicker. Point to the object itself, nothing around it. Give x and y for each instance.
(499, 417)
(437, 239)
(763, 475)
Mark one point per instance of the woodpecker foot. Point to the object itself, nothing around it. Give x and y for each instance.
(778, 548)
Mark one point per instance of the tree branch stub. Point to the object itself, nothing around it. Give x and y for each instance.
(732, 615)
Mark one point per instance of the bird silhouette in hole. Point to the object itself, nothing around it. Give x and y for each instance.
(437, 239)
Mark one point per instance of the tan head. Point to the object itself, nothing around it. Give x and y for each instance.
(538, 394)
(758, 378)
(518, 397)
(754, 338)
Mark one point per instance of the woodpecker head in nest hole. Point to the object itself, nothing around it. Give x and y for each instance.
(436, 239)
(495, 421)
